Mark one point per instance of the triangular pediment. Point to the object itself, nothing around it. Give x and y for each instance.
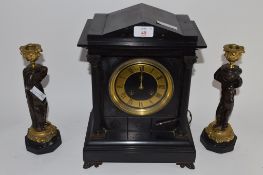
(138, 14)
(123, 27)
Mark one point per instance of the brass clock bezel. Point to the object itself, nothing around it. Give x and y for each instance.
(141, 111)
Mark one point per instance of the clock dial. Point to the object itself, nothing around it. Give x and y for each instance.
(141, 87)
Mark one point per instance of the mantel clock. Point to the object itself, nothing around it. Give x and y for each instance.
(141, 64)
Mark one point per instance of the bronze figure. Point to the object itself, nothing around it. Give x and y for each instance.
(42, 136)
(230, 80)
(219, 135)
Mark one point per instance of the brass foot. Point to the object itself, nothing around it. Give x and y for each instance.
(96, 164)
(188, 165)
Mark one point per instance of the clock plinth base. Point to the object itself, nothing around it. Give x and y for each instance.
(113, 148)
(211, 145)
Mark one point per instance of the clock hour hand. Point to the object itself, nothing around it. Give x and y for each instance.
(141, 78)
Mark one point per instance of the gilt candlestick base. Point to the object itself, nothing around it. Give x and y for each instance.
(45, 141)
(217, 140)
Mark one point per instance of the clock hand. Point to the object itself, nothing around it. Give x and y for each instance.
(141, 78)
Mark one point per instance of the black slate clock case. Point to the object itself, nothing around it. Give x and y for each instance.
(115, 136)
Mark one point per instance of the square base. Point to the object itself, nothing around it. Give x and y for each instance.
(127, 146)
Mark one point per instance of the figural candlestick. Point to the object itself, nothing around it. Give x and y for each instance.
(219, 136)
(42, 137)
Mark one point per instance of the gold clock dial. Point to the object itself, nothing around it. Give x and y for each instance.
(141, 87)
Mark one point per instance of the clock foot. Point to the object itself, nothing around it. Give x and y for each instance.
(96, 164)
(188, 165)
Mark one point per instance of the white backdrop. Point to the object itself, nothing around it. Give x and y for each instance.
(57, 25)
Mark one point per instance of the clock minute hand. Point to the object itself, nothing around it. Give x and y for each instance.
(141, 78)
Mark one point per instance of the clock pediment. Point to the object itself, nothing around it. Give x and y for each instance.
(141, 25)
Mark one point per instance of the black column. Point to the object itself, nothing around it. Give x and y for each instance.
(97, 92)
(188, 65)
